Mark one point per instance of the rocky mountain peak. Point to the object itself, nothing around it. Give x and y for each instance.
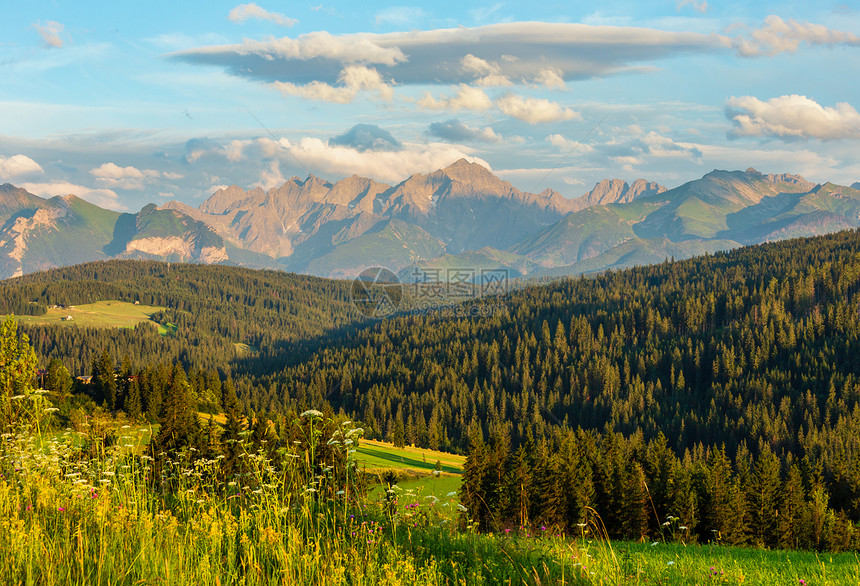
(617, 191)
(644, 188)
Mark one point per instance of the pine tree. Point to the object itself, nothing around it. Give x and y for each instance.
(104, 381)
(180, 427)
(133, 406)
(17, 368)
(58, 380)
(231, 438)
(763, 498)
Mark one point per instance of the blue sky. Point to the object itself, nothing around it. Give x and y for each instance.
(125, 104)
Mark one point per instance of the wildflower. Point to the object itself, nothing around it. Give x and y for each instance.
(657, 543)
(670, 563)
(312, 413)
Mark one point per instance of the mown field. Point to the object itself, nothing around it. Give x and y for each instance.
(101, 314)
(377, 455)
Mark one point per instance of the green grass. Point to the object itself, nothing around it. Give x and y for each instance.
(101, 314)
(68, 520)
(244, 350)
(376, 455)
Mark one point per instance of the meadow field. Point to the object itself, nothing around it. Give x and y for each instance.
(101, 520)
(101, 314)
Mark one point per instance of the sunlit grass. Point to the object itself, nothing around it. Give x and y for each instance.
(76, 511)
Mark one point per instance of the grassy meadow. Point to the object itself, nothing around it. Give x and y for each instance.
(101, 314)
(378, 455)
(100, 519)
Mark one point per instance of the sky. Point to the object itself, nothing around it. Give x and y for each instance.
(124, 104)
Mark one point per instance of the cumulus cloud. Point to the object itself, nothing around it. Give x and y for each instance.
(312, 56)
(105, 198)
(792, 117)
(455, 131)
(534, 110)
(492, 53)
(549, 77)
(353, 79)
(112, 175)
(786, 36)
(564, 143)
(271, 176)
(235, 150)
(251, 11)
(50, 32)
(386, 166)
(466, 98)
(367, 137)
(197, 148)
(484, 73)
(632, 146)
(18, 166)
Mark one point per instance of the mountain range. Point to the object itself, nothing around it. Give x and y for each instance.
(461, 216)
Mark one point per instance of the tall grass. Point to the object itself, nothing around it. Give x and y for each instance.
(88, 513)
(110, 514)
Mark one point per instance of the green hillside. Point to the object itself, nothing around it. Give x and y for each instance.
(578, 236)
(79, 234)
(392, 244)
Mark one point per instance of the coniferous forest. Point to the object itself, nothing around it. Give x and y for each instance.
(715, 398)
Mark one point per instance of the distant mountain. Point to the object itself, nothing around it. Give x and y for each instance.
(617, 191)
(461, 216)
(61, 231)
(46, 233)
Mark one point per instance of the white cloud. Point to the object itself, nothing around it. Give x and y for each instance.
(345, 49)
(251, 11)
(18, 166)
(353, 79)
(792, 117)
(550, 77)
(112, 175)
(785, 36)
(50, 32)
(534, 110)
(466, 98)
(456, 131)
(234, 150)
(484, 73)
(564, 143)
(701, 7)
(387, 166)
(270, 176)
(493, 53)
(104, 198)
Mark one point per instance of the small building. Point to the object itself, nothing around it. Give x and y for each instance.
(67, 318)
(87, 379)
